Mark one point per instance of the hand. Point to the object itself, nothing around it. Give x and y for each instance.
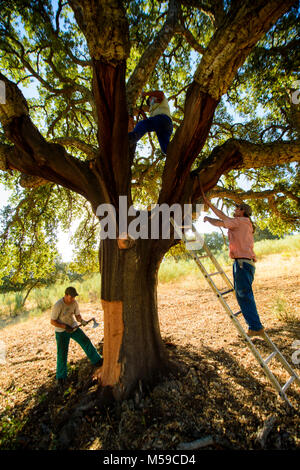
(205, 219)
(84, 322)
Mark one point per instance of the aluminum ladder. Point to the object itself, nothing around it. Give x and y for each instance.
(193, 248)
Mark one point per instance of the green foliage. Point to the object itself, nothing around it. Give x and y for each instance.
(287, 245)
(182, 266)
(9, 429)
(264, 234)
(283, 310)
(44, 51)
(29, 224)
(43, 297)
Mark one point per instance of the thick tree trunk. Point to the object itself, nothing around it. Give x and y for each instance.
(133, 347)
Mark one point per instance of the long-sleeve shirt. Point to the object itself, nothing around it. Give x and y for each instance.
(160, 108)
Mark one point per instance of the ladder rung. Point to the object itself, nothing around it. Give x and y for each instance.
(270, 357)
(237, 313)
(226, 291)
(288, 383)
(219, 293)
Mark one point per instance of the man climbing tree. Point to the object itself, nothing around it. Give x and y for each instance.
(65, 148)
(159, 121)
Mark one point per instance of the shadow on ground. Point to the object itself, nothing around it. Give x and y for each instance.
(212, 395)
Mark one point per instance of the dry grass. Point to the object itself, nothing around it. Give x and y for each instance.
(222, 390)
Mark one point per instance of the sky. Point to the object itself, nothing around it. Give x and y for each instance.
(64, 245)
(66, 248)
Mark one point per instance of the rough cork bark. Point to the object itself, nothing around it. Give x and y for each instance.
(133, 348)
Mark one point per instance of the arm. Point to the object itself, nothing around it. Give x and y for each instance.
(80, 319)
(215, 222)
(143, 112)
(216, 211)
(60, 324)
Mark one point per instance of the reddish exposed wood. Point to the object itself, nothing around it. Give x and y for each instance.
(110, 372)
(133, 348)
(212, 169)
(129, 278)
(110, 98)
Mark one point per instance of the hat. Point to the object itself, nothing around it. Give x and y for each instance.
(71, 291)
(245, 208)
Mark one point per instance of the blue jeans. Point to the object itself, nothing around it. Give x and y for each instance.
(161, 124)
(243, 279)
(63, 340)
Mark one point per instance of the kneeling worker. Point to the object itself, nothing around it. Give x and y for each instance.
(241, 242)
(62, 318)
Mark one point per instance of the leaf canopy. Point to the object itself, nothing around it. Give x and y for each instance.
(45, 53)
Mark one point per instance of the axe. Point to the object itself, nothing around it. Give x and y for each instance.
(95, 324)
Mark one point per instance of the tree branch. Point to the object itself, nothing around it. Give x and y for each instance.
(105, 27)
(240, 196)
(277, 210)
(89, 150)
(152, 54)
(33, 155)
(235, 154)
(181, 29)
(47, 20)
(232, 43)
(70, 85)
(214, 9)
(225, 53)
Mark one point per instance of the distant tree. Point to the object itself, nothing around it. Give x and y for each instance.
(215, 241)
(65, 151)
(264, 234)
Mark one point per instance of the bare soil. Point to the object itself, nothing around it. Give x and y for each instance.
(221, 393)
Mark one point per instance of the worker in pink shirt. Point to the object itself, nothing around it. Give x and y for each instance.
(241, 242)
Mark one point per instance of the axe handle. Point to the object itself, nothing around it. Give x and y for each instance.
(80, 324)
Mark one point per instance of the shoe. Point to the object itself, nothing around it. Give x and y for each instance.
(260, 332)
(61, 383)
(99, 363)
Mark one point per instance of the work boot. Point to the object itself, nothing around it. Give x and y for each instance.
(61, 383)
(260, 332)
(99, 363)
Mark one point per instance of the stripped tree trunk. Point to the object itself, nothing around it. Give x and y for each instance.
(133, 347)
